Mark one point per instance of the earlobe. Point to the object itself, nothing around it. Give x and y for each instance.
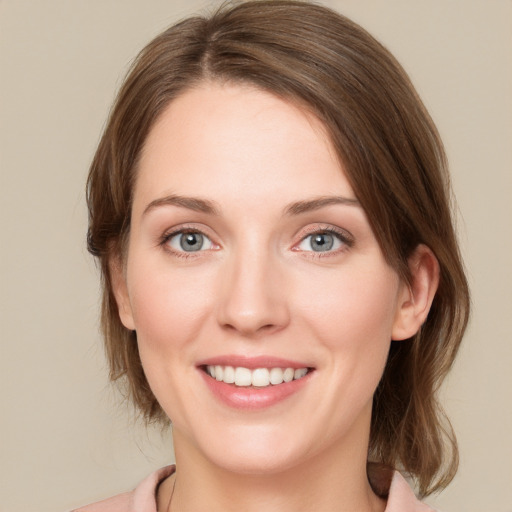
(120, 289)
(416, 298)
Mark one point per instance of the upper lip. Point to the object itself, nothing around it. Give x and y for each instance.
(263, 361)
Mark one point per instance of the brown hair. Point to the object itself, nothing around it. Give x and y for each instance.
(394, 160)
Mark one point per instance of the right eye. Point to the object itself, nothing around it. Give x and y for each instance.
(189, 241)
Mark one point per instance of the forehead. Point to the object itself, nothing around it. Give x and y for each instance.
(226, 140)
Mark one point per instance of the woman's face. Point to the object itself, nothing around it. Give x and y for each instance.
(250, 259)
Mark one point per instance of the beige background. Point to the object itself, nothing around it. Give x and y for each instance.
(63, 442)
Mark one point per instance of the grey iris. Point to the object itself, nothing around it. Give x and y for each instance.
(191, 241)
(322, 242)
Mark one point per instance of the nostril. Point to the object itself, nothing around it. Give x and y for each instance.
(250, 330)
(249, 301)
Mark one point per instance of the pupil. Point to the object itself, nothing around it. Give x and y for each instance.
(322, 242)
(191, 242)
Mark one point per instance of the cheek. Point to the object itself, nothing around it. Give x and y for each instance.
(169, 310)
(353, 312)
(168, 305)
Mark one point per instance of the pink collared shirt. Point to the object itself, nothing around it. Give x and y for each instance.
(143, 498)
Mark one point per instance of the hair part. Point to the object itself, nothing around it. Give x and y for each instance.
(394, 160)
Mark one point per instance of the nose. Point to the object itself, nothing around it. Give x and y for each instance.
(253, 299)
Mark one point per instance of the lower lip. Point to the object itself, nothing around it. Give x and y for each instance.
(240, 397)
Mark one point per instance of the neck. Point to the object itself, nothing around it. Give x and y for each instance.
(323, 482)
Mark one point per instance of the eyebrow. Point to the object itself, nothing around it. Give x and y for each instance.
(192, 203)
(319, 202)
(211, 208)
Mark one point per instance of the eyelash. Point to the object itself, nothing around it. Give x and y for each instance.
(342, 236)
(166, 237)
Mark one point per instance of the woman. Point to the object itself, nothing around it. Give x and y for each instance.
(270, 206)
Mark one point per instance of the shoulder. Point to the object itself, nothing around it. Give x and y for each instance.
(119, 503)
(402, 498)
(141, 499)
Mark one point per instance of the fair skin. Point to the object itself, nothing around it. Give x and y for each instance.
(248, 248)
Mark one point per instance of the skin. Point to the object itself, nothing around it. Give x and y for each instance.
(259, 288)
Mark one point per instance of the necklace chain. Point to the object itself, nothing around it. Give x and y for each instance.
(172, 493)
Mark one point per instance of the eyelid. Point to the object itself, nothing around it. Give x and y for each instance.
(175, 241)
(343, 235)
(184, 229)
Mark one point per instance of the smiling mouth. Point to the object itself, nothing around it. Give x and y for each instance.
(256, 378)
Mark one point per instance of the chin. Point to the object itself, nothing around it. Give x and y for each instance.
(256, 451)
(246, 462)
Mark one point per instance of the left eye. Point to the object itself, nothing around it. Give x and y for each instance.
(321, 242)
(190, 242)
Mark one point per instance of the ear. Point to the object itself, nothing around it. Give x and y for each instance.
(120, 289)
(416, 298)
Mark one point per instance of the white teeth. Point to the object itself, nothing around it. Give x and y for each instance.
(299, 373)
(276, 376)
(243, 377)
(260, 377)
(288, 374)
(229, 375)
